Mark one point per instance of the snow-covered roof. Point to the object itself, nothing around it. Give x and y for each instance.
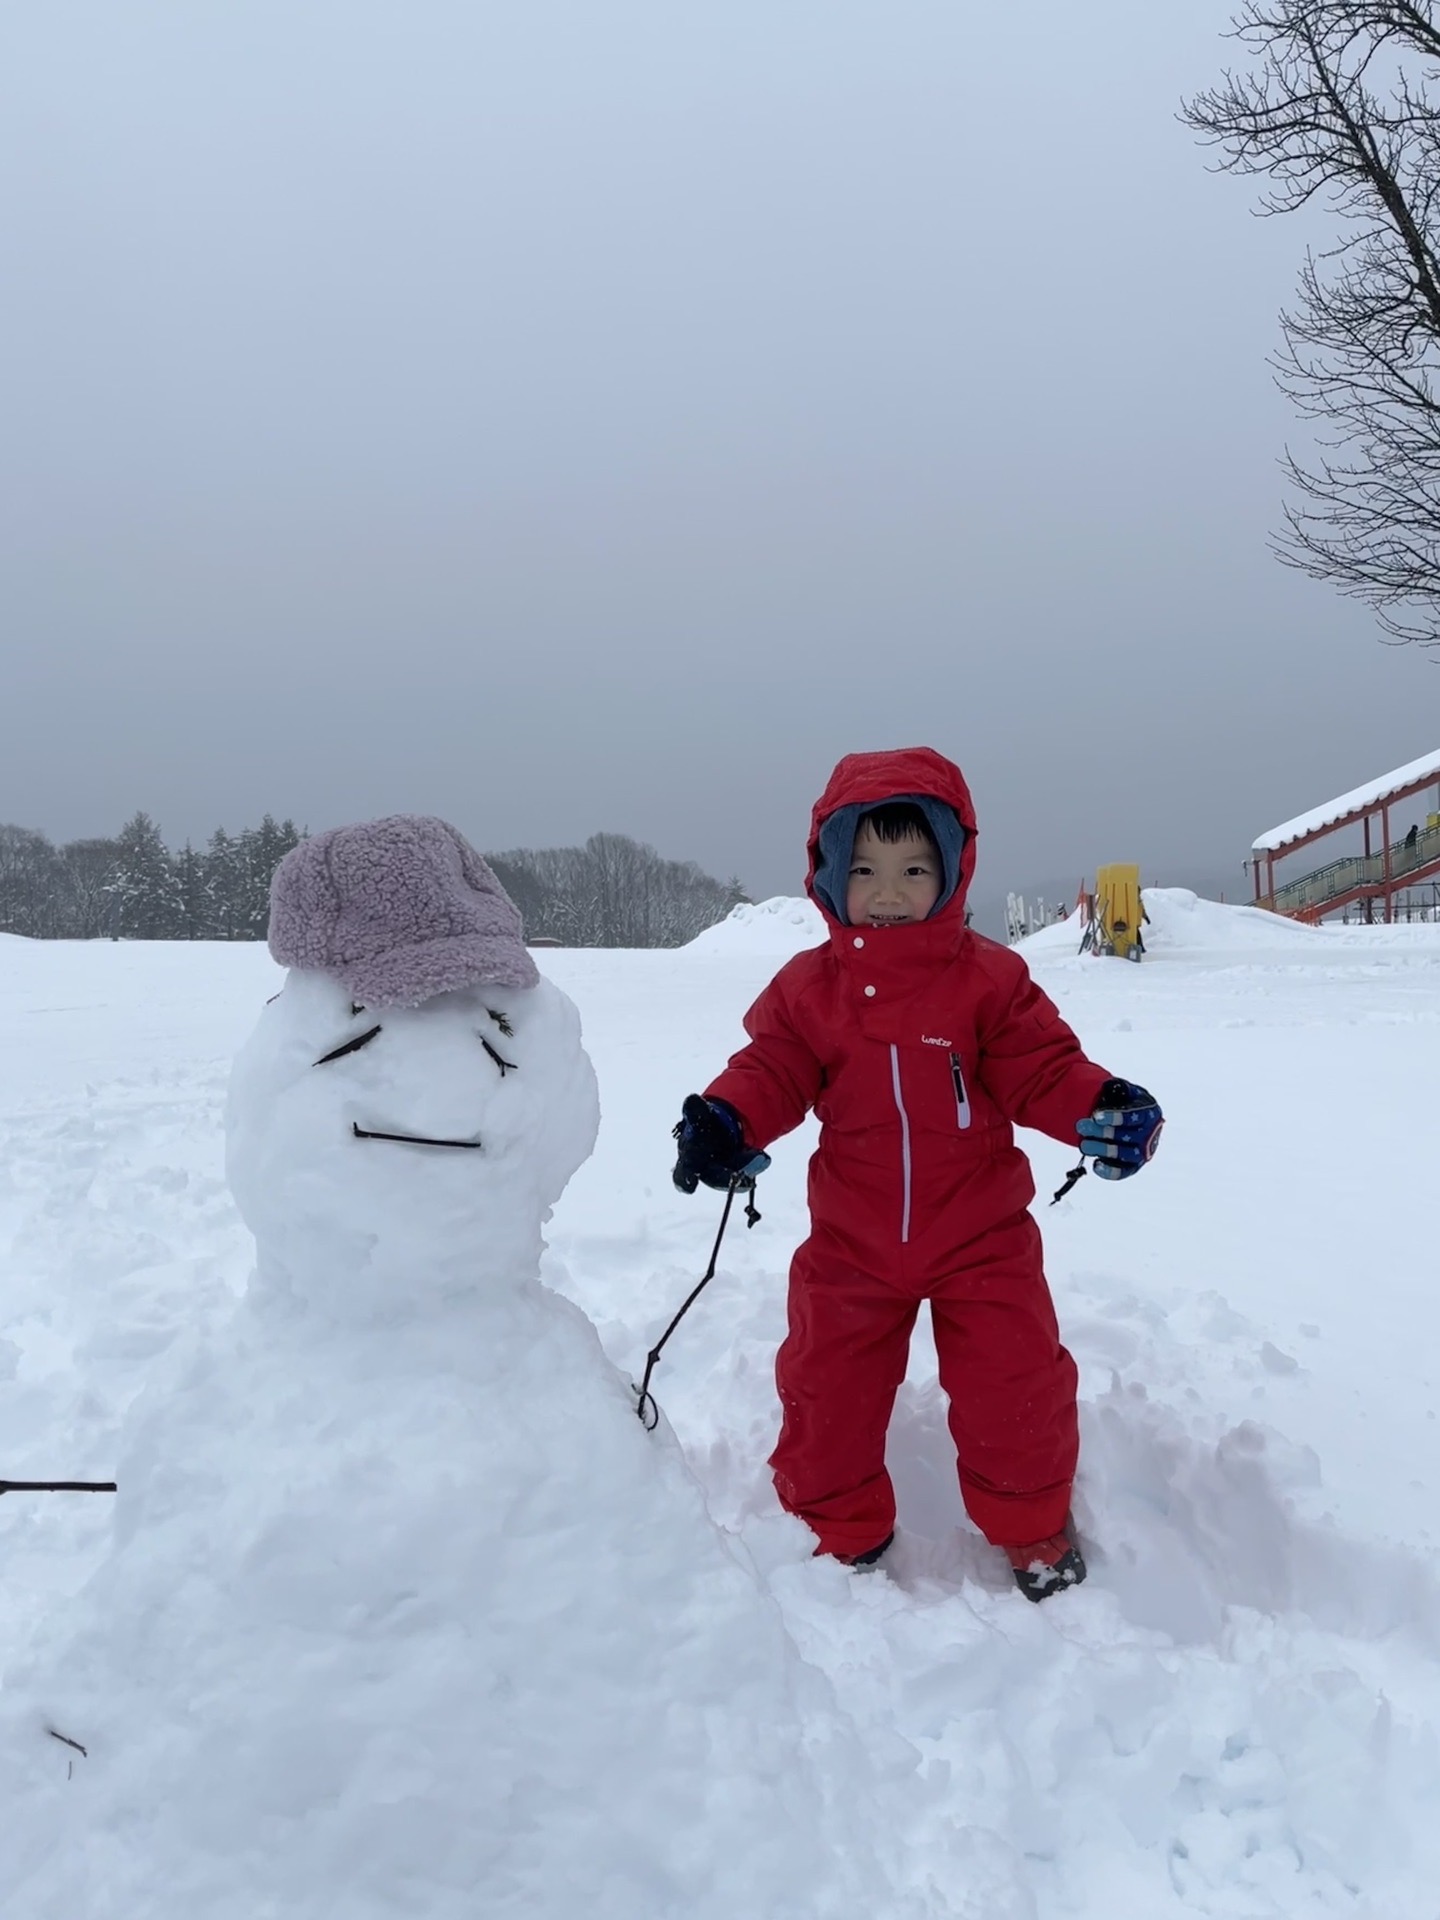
(1333, 811)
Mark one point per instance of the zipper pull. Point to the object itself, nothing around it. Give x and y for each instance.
(962, 1098)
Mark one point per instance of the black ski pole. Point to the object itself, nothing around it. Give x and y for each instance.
(644, 1403)
(58, 1486)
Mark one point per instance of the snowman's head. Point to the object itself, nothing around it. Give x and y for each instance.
(385, 1157)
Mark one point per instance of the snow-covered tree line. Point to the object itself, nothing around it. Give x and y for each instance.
(612, 892)
(133, 887)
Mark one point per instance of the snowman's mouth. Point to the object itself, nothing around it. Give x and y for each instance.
(415, 1139)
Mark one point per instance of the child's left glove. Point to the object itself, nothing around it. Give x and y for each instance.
(712, 1147)
(1121, 1135)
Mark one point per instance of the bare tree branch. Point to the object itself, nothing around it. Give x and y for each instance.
(1341, 107)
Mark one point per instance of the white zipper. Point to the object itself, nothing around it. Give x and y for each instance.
(962, 1098)
(904, 1141)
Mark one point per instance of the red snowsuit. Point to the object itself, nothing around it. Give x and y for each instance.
(917, 1046)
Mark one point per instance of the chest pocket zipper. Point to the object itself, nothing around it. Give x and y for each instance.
(962, 1098)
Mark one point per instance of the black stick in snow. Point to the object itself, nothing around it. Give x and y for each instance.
(57, 1486)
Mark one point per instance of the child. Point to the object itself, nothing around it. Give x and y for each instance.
(918, 1043)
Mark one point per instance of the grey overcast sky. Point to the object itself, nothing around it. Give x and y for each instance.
(604, 413)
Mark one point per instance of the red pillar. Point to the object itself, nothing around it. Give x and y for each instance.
(1369, 855)
(1389, 893)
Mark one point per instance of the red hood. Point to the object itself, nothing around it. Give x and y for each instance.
(867, 779)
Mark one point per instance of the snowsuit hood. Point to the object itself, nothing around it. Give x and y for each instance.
(861, 781)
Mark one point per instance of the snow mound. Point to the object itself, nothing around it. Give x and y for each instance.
(1179, 922)
(782, 925)
(1063, 937)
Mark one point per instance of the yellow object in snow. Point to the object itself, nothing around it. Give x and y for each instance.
(1119, 912)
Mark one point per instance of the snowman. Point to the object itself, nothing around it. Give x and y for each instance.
(406, 1614)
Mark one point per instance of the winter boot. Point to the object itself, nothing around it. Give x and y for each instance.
(869, 1559)
(1045, 1566)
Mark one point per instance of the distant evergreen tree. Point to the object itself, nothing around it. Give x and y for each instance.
(260, 851)
(194, 895)
(222, 887)
(145, 887)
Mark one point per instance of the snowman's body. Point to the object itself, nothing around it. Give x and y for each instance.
(406, 1613)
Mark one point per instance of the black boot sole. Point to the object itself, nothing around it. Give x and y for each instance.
(869, 1559)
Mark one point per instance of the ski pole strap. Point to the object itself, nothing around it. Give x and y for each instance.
(1072, 1179)
(645, 1404)
(57, 1486)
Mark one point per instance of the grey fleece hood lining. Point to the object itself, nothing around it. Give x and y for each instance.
(835, 847)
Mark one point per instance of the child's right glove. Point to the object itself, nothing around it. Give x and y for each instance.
(1122, 1133)
(712, 1147)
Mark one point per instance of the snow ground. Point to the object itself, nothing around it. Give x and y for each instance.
(1236, 1716)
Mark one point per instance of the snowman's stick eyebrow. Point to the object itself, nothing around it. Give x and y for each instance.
(350, 1046)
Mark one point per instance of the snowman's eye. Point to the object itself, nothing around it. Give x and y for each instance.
(349, 1046)
(502, 1023)
(505, 1066)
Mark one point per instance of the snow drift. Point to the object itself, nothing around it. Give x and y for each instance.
(1235, 1718)
(781, 926)
(1179, 922)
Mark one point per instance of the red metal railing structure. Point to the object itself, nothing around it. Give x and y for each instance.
(1388, 864)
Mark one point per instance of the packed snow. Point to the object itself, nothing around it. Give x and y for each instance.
(1234, 1717)
(780, 926)
(477, 1607)
(1358, 800)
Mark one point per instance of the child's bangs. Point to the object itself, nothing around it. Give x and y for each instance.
(897, 820)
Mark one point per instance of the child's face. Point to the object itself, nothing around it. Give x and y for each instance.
(891, 881)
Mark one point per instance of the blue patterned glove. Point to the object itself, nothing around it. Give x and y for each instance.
(712, 1147)
(1123, 1131)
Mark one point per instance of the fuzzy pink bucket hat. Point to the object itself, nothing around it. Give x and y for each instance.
(397, 910)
